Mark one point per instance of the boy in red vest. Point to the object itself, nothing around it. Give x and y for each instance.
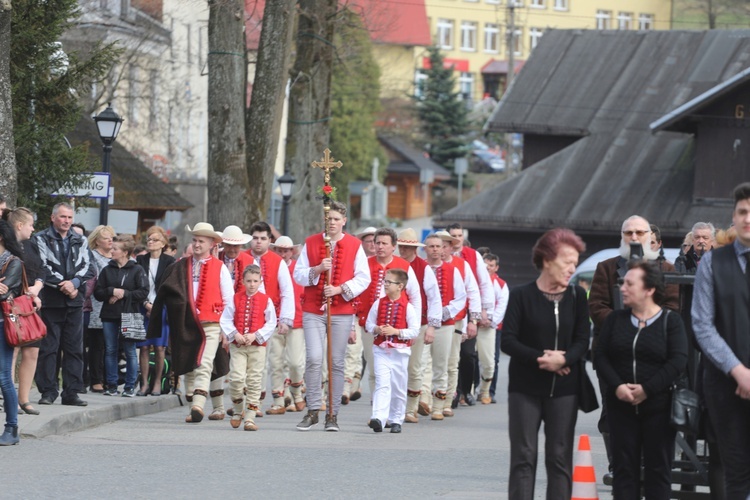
(488, 344)
(248, 322)
(394, 322)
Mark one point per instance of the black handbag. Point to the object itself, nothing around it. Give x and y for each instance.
(686, 411)
(587, 400)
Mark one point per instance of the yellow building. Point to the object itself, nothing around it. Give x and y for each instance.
(473, 34)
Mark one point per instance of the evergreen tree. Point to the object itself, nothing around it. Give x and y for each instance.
(46, 85)
(442, 114)
(355, 102)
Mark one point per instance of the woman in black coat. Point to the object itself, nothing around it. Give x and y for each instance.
(122, 287)
(641, 351)
(546, 334)
(154, 263)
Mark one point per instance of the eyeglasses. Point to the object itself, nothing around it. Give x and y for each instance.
(639, 233)
(389, 282)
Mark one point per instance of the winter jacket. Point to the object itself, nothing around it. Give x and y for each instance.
(12, 276)
(130, 278)
(75, 266)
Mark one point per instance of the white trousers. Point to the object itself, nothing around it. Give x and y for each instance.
(200, 378)
(486, 353)
(286, 352)
(391, 374)
(353, 366)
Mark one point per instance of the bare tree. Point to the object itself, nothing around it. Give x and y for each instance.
(8, 174)
(267, 104)
(310, 112)
(735, 12)
(228, 186)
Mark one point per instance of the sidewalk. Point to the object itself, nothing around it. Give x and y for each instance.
(59, 419)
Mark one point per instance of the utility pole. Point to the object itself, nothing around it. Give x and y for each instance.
(511, 37)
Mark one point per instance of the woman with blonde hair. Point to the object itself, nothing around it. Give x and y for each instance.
(154, 263)
(22, 221)
(100, 241)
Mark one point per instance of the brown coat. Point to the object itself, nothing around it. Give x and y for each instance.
(601, 295)
(186, 336)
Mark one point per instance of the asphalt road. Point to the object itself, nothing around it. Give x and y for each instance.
(158, 455)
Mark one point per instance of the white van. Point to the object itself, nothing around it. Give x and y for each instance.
(586, 268)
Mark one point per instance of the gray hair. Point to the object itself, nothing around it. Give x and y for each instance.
(704, 225)
(62, 204)
(633, 217)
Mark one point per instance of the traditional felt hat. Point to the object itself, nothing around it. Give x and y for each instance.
(283, 242)
(233, 235)
(446, 236)
(366, 231)
(408, 237)
(204, 229)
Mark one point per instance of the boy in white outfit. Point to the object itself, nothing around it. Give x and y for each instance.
(394, 322)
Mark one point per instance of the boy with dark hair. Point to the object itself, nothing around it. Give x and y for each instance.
(394, 322)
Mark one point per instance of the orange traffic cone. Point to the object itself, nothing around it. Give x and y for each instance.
(584, 475)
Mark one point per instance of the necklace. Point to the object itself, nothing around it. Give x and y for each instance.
(645, 321)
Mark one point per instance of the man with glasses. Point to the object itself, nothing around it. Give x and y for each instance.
(604, 296)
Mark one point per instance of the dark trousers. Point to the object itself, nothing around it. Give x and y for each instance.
(466, 363)
(64, 332)
(93, 339)
(493, 385)
(631, 436)
(525, 416)
(730, 417)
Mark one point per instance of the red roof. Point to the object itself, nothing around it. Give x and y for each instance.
(388, 21)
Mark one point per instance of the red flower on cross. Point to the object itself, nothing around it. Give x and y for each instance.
(327, 190)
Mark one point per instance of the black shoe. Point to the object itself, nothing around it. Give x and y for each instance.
(331, 424)
(83, 391)
(375, 425)
(493, 400)
(395, 428)
(76, 401)
(454, 403)
(387, 425)
(46, 400)
(470, 400)
(308, 420)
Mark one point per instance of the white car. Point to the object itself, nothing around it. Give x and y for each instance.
(587, 268)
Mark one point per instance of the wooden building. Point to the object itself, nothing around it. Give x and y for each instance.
(410, 177)
(585, 102)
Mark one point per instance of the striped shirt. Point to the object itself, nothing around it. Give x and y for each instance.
(703, 312)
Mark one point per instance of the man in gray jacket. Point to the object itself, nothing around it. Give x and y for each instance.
(66, 260)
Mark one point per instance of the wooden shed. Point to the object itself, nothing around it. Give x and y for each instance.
(409, 197)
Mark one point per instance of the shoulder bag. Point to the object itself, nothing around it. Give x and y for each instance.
(131, 324)
(22, 323)
(685, 412)
(587, 400)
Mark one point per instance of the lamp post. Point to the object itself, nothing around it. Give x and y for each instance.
(108, 123)
(286, 182)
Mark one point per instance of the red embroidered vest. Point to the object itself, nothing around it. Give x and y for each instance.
(470, 256)
(377, 275)
(393, 313)
(419, 265)
(459, 264)
(240, 263)
(444, 277)
(298, 291)
(497, 279)
(269, 270)
(250, 313)
(342, 271)
(209, 303)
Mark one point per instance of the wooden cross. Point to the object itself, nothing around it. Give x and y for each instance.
(327, 164)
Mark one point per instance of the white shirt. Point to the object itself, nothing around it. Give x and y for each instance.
(459, 296)
(501, 303)
(434, 302)
(410, 332)
(412, 288)
(153, 266)
(262, 335)
(356, 285)
(472, 289)
(484, 282)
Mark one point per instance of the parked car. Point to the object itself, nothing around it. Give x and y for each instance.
(586, 268)
(487, 161)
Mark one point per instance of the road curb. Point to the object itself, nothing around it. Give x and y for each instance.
(75, 419)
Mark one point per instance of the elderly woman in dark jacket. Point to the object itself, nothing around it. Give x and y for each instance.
(545, 333)
(122, 287)
(641, 351)
(11, 285)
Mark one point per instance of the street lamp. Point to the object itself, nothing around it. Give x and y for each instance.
(286, 182)
(108, 123)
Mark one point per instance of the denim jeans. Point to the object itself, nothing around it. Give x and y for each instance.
(112, 341)
(10, 397)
